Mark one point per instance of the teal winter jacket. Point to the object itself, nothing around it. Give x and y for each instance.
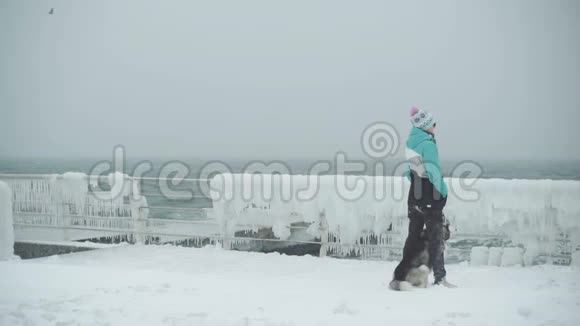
(428, 189)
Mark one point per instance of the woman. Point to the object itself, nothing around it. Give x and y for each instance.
(427, 197)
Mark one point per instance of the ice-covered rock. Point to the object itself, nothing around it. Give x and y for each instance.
(6, 223)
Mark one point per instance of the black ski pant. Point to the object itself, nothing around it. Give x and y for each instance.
(433, 220)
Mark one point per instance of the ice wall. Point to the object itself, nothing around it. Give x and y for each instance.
(6, 223)
(530, 212)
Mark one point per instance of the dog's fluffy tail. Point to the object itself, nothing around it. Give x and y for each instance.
(400, 285)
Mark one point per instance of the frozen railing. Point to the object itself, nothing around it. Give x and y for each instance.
(541, 215)
(73, 206)
(65, 207)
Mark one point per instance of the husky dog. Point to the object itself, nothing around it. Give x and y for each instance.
(419, 263)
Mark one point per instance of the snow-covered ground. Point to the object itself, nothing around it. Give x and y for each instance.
(167, 285)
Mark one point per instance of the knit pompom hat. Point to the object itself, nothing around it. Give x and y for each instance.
(421, 119)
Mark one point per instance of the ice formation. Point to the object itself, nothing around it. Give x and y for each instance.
(71, 188)
(6, 223)
(479, 256)
(529, 212)
(512, 256)
(533, 250)
(576, 259)
(495, 254)
(65, 200)
(120, 185)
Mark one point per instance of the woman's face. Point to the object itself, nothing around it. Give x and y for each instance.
(432, 129)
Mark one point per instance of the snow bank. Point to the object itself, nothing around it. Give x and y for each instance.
(6, 223)
(530, 212)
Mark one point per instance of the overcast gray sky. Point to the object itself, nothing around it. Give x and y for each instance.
(296, 78)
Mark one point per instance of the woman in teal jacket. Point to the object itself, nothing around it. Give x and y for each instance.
(427, 196)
